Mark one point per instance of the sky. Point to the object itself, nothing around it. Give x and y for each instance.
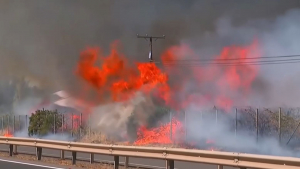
(41, 40)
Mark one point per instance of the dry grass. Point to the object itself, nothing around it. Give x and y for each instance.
(100, 138)
(56, 161)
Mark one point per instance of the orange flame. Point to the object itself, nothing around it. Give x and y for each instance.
(117, 77)
(159, 135)
(116, 80)
(8, 134)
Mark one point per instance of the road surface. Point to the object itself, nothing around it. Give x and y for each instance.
(105, 158)
(16, 164)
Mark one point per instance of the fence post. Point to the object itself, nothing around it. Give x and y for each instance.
(8, 125)
(73, 157)
(170, 164)
(116, 162)
(26, 124)
(62, 123)
(171, 125)
(216, 116)
(2, 125)
(54, 124)
(185, 123)
(220, 167)
(236, 113)
(80, 125)
(256, 119)
(14, 124)
(19, 128)
(89, 125)
(126, 162)
(72, 125)
(91, 158)
(279, 126)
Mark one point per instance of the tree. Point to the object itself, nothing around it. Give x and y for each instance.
(43, 122)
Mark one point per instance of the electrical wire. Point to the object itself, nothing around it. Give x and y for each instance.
(226, 62)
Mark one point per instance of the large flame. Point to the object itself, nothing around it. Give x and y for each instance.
(116, 78)
(209, 82)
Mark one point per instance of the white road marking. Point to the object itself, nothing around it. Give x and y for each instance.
(43, 166)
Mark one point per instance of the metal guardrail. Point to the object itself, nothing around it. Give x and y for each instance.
(169, 154)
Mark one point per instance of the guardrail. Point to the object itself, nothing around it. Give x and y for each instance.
(170, 155)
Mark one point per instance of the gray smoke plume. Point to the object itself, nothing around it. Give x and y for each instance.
(41, 40)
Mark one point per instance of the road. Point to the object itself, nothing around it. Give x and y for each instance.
(14, 164)
(142, 162)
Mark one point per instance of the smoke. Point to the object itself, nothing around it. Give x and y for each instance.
(203, 126)
(276, 84)
(41, 42)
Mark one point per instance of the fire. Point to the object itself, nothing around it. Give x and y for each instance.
(218, 82)
(76, 121)
(209, 82)
(159, 135)
(118, 78)
(8, 134)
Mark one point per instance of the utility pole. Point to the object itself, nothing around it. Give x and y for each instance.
(151, 38)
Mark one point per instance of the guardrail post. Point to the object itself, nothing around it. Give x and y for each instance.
(116, 162)
(11, 149)
(39, 153)
(220, 167)
(15, 149)
(62, 154)
(73, 157)
(126, 162)
(170, 164)
(91, 158)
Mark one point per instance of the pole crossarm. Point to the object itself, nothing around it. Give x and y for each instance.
(151, 38)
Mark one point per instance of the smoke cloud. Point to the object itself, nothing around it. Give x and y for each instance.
(41, 42)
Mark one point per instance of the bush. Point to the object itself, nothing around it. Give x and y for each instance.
(43, 122)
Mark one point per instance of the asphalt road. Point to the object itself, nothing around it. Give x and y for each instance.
(105, 158)
(12, 164)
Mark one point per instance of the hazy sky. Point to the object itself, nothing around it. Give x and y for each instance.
(42, 39)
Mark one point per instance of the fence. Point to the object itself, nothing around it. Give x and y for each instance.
(221, 159)
(70, 124)
(281, 123)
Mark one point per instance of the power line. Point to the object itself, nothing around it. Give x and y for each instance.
(237, 63)
(197, 65)
(230, 59)
(254, 62)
